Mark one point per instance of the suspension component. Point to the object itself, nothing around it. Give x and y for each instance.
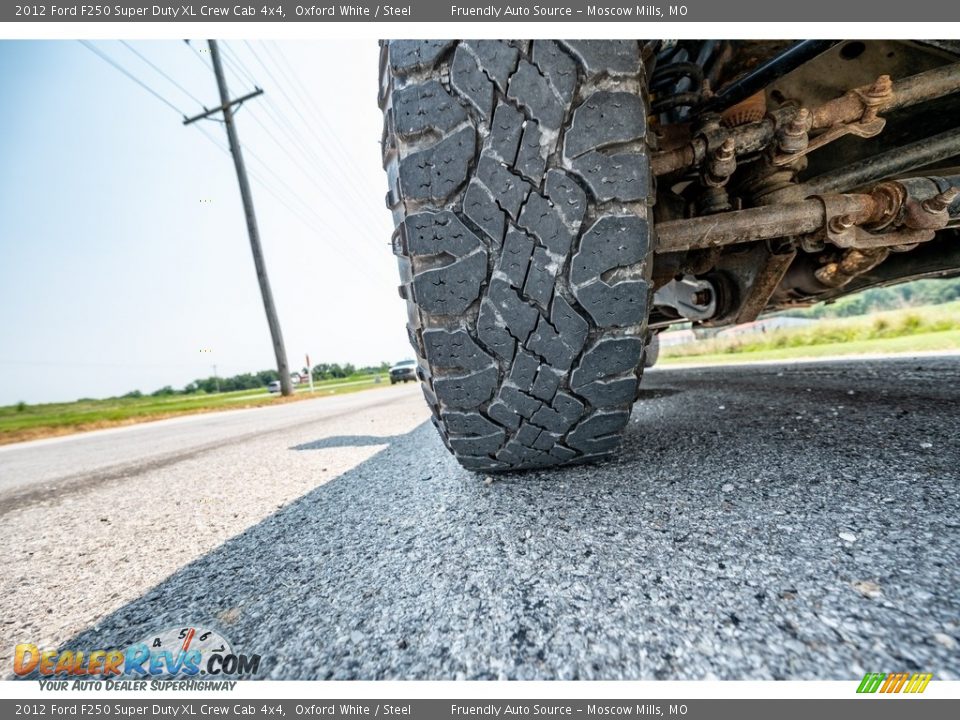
(767, 72)
(872, 169)
(853, 262)
(722, 163)
(793, 138)
(890, 214)
(856, 112)
(691, 298)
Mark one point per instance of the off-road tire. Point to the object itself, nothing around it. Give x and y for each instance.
(651, 353)
(520, 186)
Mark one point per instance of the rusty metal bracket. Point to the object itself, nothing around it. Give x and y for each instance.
(771, 269)
(854, 262)
(842, 219)
(854, 112)
(889, 215)
(864, 130)
(857, 237)
(885, 209)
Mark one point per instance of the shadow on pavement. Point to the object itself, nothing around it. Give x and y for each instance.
(645, 393)
(718, 544)
(341, 441)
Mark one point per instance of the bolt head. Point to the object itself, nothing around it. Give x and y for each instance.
(882, 86)
(726, 151)
(939, 203)
(702, 298)
(841, 223)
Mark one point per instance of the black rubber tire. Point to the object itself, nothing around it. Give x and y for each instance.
(651, 353)
(520, 185)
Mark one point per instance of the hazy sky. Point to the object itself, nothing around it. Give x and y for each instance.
(123, 248)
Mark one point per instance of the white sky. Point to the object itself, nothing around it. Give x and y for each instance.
(123, 248)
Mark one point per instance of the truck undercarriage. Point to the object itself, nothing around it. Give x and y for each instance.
(558, 203)
(823, 170)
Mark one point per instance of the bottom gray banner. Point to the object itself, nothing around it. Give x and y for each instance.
(878, 707)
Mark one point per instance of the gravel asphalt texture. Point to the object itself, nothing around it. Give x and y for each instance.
(793, 521)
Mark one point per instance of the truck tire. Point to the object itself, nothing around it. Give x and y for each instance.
(652, 352)
(519, 181)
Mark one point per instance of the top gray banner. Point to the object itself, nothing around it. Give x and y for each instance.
(481, 11)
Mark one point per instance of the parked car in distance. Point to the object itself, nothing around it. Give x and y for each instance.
(273, 386)
(403, 371)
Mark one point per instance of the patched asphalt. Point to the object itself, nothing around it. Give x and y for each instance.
(778, 521)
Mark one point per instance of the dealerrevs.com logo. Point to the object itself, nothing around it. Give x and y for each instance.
(189, 652)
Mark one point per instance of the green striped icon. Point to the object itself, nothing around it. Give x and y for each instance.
(894, 682)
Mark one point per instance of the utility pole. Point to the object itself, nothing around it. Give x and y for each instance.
(216, 378)
(226, 107)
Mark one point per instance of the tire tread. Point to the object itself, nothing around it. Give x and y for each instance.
(519, 181)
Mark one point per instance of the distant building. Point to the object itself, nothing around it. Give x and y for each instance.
(677, 337)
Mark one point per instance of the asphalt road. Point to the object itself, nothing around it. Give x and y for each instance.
(778, 521)
(61, 463)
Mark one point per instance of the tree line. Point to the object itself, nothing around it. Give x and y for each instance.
(253, 381)
(912, 294)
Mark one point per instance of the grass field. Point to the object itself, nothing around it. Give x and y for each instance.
(897, 331)
(920, 329)
(948, 340)
(29, 422)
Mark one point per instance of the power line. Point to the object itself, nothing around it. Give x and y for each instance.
(211, 138)
(243, 79)
(251, 221)
(311, 223)
(292, 104)
(92, 48)
(297, 139)
(260, 180)
(283, 148)
(233, 60)
(198, 55)
(317, 111)
(320, 229)
(170, 79)
(301, 145)
(305, 95)
(267, 130)
(262, 162)
(347, 181)
(283, 119)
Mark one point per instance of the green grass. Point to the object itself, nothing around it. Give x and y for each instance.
(947, 340)
(895, 331)
(23, 422)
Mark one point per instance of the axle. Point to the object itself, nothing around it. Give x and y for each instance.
(890, 214)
